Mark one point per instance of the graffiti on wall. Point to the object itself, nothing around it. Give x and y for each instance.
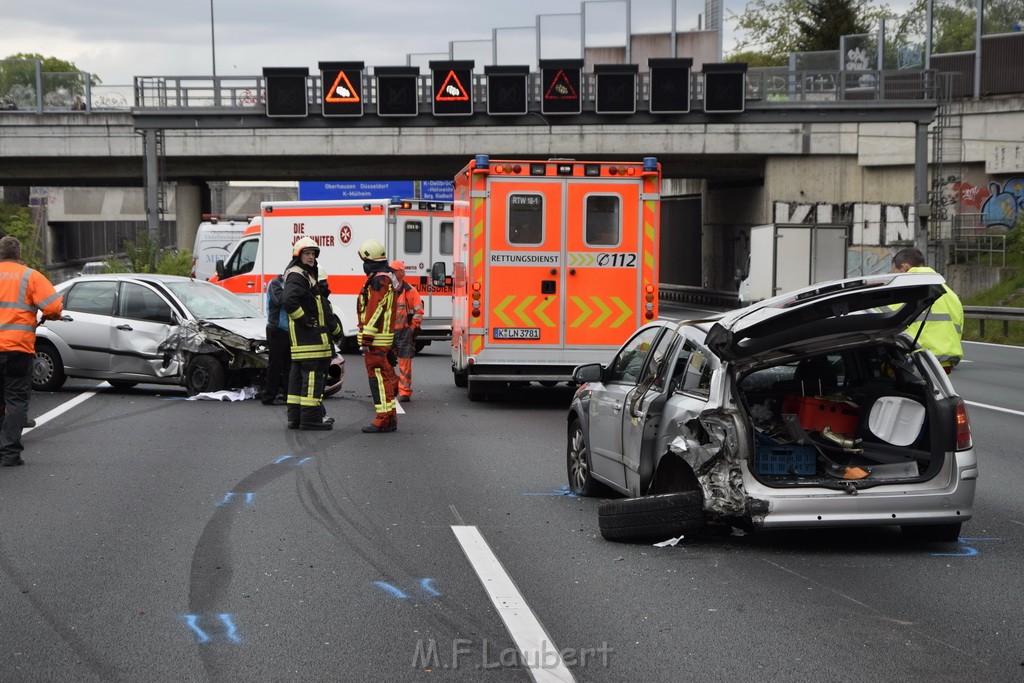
(873, 224)
(998, 205)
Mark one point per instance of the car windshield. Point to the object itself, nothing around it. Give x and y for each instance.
(210, 302)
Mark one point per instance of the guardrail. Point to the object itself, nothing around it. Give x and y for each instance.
(682, 294)
(1007, 314)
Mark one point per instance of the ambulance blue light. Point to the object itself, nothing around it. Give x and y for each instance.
(482, 161)
(650, 164)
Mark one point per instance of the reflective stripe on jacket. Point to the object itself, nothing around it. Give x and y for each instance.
(943, 325)
(308, 314)
(23, 293)
(408, 308)
(376, 309)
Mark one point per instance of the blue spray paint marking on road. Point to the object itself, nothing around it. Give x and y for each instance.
(968, 551)
(231, 494)
(302, 461)
(232, 633)
(281, 459)
(192, 621)
(561, 491)
(391, 589)
(425, 585)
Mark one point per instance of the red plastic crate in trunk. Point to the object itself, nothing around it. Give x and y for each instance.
(815, 414)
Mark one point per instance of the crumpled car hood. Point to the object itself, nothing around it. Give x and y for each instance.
(244, 340)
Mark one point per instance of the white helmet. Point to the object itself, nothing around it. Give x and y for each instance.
(305, 243)
(372, 250)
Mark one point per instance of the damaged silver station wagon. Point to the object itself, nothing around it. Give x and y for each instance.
(812, 409)
(129, 328)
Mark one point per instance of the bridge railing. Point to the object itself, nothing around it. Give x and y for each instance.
(764, 88)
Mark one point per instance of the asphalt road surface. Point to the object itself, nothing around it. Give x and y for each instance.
(152, 538)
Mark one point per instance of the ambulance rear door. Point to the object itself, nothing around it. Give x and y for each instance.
(603, 274)
(423, 237)
(524, 248)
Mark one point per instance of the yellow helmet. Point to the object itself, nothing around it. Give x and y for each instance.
(305, 243)
(372, 250)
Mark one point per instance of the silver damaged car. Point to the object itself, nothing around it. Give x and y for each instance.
(812, 409)
(128, 328)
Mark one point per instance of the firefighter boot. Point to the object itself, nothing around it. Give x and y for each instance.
(293, 416)
(384, 422)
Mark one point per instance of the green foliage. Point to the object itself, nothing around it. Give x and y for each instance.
(19, 71)
(753, 58)
(827, 21)
(144, 255)
(16, 221)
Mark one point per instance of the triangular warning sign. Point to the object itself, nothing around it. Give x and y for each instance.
(451, 90)
(342, 90)
(560, 88)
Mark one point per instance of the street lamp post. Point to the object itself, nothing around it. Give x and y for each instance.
(213, 43)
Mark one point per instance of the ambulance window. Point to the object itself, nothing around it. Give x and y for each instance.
(413, 233)
(447, 237)
(604, 222)
(525, 219)
(244, 258)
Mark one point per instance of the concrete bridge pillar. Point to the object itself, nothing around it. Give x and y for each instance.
(188, 212)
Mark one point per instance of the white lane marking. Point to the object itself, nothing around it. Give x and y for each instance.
(539, 653)
(60, 410)
(1001, 410)
(998, 346)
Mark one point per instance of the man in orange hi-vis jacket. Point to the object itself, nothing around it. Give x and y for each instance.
(408, 322)
(24, 293)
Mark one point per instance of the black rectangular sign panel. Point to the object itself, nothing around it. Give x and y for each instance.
(287, 94)
(506, 89)
(670, 85)
(342, 84)
(452, 88)
(560, 86)
(397, 90)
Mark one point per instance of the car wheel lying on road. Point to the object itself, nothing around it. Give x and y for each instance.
(47, 368)
(652, 518)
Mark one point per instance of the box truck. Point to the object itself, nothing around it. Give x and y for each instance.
(787, 257)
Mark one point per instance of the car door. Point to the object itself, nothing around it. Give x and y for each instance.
(85, 326)
(606, 405)
(143, 322)
(680, 387)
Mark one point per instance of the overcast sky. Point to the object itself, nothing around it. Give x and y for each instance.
(119, 39)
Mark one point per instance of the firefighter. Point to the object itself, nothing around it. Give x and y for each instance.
(23, 293)
(408, 324)
(944, 321)
(375, 309)
(312, 328)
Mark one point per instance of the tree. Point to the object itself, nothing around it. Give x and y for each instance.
(16, 221)
(827, 21)
(773, 26)
(753, 58)
(61, 80)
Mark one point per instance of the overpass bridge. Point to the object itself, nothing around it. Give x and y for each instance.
(796, 135)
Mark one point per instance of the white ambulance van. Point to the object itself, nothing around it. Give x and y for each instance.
(417, 232)
(216, 236)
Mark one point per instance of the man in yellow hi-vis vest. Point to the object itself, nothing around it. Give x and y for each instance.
(940, 329)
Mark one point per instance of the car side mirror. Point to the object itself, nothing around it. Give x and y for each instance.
(591, 372)
(222, 272)
(437, 274)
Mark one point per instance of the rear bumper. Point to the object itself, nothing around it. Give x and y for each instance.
(921, 503)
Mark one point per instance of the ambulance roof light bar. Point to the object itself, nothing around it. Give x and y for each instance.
(650, 164)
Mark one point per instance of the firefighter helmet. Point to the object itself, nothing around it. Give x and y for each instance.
(305, 243)
(397, 266)
(372, 250)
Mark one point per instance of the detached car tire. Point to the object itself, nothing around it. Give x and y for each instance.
(203, 374)
(652, 518)
(47, 368)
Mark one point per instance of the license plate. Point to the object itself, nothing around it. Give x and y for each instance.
(517, 333)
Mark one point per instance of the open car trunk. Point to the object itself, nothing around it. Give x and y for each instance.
(858, 416)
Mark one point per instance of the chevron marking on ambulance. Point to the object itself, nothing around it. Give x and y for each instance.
(522, 312)
(625, 312)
